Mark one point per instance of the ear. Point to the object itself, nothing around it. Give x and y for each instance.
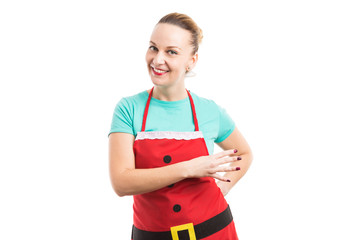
(193, 61)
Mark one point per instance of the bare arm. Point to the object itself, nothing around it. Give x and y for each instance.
(127, 180)
(236, 141)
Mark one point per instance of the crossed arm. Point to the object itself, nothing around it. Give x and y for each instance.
(127, 180)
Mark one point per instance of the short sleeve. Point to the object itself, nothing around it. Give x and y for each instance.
(122, 120)
(226, 125)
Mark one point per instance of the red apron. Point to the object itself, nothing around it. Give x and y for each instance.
(192, 200)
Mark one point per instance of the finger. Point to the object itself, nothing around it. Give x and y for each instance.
(219, 177)
(225, 160)
(227, 169)
(225, 153)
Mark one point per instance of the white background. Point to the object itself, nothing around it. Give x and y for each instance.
(286, 71)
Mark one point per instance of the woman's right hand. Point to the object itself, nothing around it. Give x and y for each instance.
(209, 166)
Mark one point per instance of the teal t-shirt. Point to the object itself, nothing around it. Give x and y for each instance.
(215, 124)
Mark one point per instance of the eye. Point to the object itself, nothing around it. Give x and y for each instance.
(172, 52)
(153, 48)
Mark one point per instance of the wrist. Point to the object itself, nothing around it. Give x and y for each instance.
(184, 170)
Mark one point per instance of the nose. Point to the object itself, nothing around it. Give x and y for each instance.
(159, 59)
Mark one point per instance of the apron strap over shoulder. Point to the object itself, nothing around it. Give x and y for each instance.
(146, 110)
(193, 111)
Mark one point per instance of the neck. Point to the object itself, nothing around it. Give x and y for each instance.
(169, 93)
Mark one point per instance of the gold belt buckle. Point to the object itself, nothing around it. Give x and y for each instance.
(188, 226)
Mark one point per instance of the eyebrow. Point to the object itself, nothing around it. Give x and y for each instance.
(167, 46)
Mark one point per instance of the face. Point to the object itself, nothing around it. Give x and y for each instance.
(169, 55)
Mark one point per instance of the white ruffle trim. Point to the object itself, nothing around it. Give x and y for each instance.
(169, 135)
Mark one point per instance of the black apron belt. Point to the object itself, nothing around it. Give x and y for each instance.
(202, 230)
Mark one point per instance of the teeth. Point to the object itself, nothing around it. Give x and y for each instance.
(158, 71)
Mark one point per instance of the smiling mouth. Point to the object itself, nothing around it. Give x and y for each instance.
(158, 72)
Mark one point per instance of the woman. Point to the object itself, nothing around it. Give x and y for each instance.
(160, 142)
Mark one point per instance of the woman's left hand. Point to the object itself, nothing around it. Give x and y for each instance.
(235, 141)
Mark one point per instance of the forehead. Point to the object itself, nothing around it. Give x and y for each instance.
(165, 34)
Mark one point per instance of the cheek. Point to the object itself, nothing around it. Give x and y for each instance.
(148, 57)
(177, 65)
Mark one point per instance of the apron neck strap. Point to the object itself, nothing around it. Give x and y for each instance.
(147, 110)
(193, 111)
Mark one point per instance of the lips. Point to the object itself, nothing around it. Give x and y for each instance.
(158, 72)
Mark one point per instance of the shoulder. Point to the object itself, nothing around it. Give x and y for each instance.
(209, 109)
(133, 100)
(131, 105)
(204, 103)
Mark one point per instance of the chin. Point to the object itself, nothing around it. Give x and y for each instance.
(158, 83)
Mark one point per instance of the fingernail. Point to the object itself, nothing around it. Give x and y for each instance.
(235, 151)
(239, 158)
(238, 168)
(228, 180)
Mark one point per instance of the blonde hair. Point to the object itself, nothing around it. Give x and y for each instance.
(187, 23)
